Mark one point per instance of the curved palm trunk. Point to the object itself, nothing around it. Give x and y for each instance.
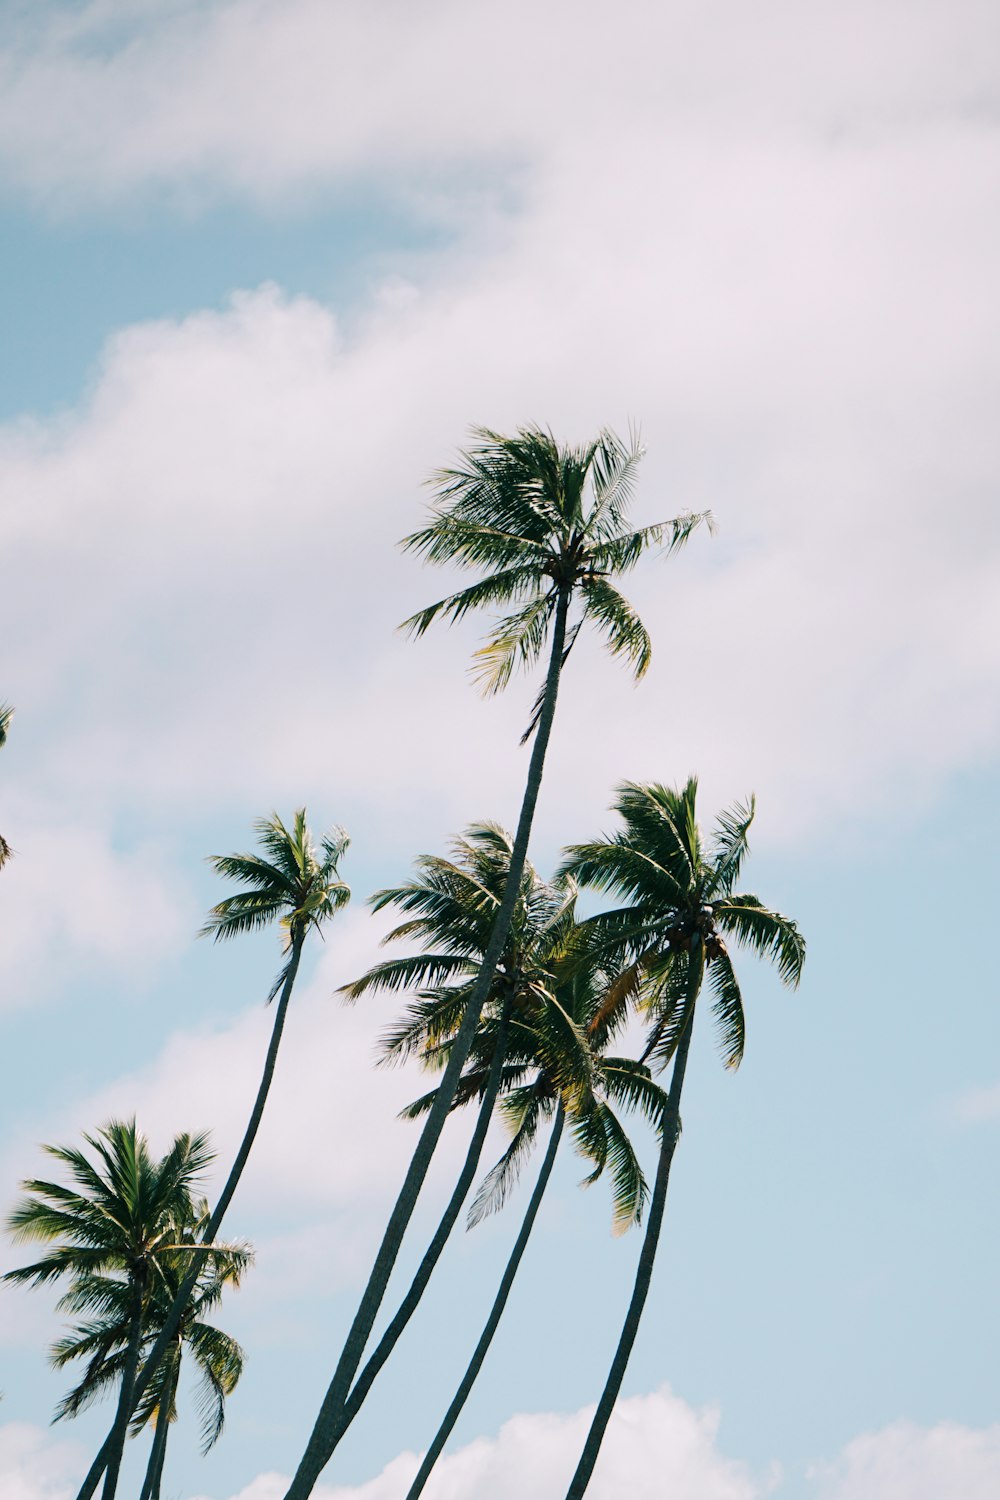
(409, 1304)
(119, 1431)
(173, 1318)
(496, 1312)
(151, 1485)
(643, 1275)
(324, 1434)
(154, 1469)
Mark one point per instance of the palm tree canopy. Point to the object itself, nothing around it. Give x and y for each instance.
(450, 907)
(103, 1340)
(541, 520)
(557, 1031)
(117, 1217)
(682, 905)
(293, 881)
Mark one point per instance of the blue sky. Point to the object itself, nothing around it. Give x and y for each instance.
(264, 265)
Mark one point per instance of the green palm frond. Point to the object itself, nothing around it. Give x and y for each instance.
(501, 1179)
(6, 714)
(510, 586)
(518, 641)
(623, 631)
(768, 933)
(730, 847)
(628, 1185)
(727, 1009)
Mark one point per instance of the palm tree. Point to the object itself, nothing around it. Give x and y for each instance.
(6, 714)
(103, 1340)
(565, 1039)
(117, 1221)
(296, 884)
(547, 527)
(682, 905)
(450, 907)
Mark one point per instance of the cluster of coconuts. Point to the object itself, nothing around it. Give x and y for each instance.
(683, 928)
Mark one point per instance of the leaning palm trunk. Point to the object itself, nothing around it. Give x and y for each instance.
(496, 1313)
(323, 1438)
(154, 1470)
(119, 1431)
(409, 1304)
(176, 1312)
(644, 1271)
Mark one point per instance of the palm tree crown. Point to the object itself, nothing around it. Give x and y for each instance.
(682, 907)
(671, 937)
(450, 908)
(102, 1340)
(117, 1219)
(543, 522)
(292, 882)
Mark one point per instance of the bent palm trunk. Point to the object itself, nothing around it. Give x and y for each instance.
(496, 1313)
(323, 1438)
(154, 1470)
(173, 1318)
(643, 1275)
(432, 1255)
(119, 1431)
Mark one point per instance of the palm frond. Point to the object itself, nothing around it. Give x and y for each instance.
(730, 847)
(768, 933)
(727, 1009)
(623, 631)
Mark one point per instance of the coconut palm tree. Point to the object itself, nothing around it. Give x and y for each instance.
(670, 938)
(103, 1339)
(565, 1039)
(6, 714)
(296, 883)
(117, 1221)
(547, 527)
(450, 907)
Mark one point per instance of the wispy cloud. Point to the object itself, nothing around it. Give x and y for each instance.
(979, 1104)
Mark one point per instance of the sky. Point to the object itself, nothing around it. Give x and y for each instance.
(264, 266)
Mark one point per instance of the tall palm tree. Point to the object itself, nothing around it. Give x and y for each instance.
(450, 907)
(117, 1221)
(682, 905)
(297, 884)
(547, 526)
(6, 714)
(565, 1039)
(103, 1339)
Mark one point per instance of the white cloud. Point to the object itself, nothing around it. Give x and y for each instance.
(655, 1445)
(809, 333)
(977, 1105)
(74, 903)
(33, 1467)
(264, 95)
(906, 1462)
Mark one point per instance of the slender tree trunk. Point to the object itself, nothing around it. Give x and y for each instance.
(154, 1469)
(409, 1304)
(643, 1275)
(119, 1431)
(173, 1318)
(324, 1433)
(496, 1312)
